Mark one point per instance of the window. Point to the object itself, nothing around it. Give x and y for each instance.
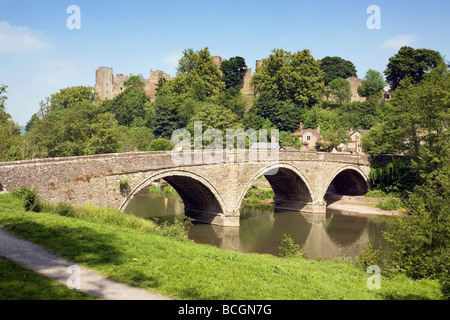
(308, 138)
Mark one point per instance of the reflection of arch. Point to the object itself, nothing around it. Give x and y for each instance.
(346, 230)
(350, 180)
(201, 200)
(292, 190)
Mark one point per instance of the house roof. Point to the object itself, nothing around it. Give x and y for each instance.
(304, 132)
(352, 132)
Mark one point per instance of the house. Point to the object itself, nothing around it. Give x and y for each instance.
(354, 146)
(308, 137)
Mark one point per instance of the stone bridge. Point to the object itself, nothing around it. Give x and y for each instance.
(212, 193)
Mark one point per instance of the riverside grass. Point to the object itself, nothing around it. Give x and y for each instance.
(142, 257)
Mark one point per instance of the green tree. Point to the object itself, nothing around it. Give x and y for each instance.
(81, 129)
(233, 71)
(336, 67)
(418, 122)
(138, 139)
(161, 144)
(9, 131)
(411, 63)
(372, 85)
(131, 103)
(340, 89)
(72, 95)
(291, 76)
(166, 119)
(192, 67)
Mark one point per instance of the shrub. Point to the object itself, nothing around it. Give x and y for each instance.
(391, 204)
(369, 257)
(376, 194)
(124, 183)
(289, 248)
(29, 198)
(65, 210)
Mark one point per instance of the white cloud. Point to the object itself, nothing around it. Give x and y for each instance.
(19, 39)
(399, 41)
(58, 72)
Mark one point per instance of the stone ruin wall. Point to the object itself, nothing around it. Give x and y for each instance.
(109, 86)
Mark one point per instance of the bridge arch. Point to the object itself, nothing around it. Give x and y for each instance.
(349, 180)
(201, 200)
(292, 190)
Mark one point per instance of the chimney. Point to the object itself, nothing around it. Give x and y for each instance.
(301, 126)
(318, 129)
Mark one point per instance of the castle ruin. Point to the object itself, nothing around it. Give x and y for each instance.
(108, 86)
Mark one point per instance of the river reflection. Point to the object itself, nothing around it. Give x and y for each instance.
(261, 229)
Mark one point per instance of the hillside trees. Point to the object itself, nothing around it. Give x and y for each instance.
(9, 131)
(336, 67)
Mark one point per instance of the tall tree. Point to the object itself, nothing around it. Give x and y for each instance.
(412, 63)
(291, 76)
(340, 89)
(192, 67)
(372, 85)
(9, 130)
(336, 67)
(130, 104)
(233, 71)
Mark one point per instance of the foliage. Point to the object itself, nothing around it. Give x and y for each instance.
(123, 183)
(161, 144)
(369, 257)
(9, 131)
(29, 198)
(411, 63)
(340, 89)
(289, 248)
(81, 129)
(233, 71)
(138, 139)
(166, 115)
(255, 194)
(290, 76)
(336, 67)
(64, 209)
(131, 103)
(193, 67)
(389, 205)
(372, 85)
(68, 97)
(394, 177)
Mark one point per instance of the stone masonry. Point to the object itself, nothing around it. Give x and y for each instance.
(212, 193)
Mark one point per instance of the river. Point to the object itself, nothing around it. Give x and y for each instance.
(261, 230)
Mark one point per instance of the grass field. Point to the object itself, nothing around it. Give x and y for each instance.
(129, 250)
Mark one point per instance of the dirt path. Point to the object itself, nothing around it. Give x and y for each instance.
(51, 266)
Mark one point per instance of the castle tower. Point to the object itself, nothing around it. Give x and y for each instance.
(104, 83)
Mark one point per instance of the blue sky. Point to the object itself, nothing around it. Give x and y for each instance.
(39, 55)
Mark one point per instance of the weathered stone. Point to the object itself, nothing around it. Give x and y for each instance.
(213, 193)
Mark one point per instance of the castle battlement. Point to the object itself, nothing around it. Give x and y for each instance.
(108, 86)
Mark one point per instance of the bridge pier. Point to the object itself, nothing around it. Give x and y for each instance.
(216, 219)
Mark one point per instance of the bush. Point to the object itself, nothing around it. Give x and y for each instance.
(161, 144)
(65, 210)
(29, 198)
(391, 204)
(369, 257)
(289, 248)
(376, 194)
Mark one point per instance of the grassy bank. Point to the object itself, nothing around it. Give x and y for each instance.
(144, 257)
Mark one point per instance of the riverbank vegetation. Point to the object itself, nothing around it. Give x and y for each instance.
(128, 249)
